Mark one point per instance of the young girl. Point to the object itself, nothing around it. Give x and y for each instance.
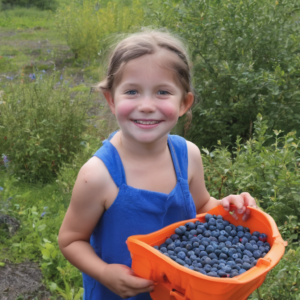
(142, 178)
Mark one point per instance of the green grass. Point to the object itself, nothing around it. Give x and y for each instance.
(19, 18)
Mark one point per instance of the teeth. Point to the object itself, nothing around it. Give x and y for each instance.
(146, 122)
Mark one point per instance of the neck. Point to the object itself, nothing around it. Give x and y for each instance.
(139, 151)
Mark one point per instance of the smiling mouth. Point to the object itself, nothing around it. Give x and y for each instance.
(146, 122)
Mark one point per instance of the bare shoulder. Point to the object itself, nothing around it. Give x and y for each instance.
(196, 176)
(194, 158)
(87, 203)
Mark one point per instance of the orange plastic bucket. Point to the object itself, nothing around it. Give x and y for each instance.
(176, 282)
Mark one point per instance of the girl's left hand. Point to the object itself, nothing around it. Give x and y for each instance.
(241, 203)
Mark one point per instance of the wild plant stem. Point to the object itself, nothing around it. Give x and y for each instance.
(259, 295)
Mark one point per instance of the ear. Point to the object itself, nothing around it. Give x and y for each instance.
(109, 98)
(186, 104)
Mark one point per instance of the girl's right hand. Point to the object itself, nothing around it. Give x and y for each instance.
(121, 280)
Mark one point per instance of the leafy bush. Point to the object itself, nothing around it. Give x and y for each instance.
(41, 4)
(86, 24)
(269, 173)
(246, 61)
(283, 281)
(41, 127)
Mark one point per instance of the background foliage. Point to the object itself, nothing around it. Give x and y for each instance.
(246, 61)
(245, 58)
(41, 126)
(41, 4)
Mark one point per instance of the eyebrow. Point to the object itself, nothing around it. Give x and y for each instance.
(161, 85)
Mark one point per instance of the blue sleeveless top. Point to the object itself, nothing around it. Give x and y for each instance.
(136, 211)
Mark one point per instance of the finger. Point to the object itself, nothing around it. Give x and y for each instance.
(135, 282)
(237, 200)
(133, 292)
(246, 215)
(249, 200)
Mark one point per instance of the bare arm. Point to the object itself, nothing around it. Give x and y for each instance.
(202, 199)
(90, 192)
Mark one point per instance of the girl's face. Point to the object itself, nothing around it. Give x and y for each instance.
(148, 100)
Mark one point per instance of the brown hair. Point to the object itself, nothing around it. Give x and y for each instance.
(148, 42)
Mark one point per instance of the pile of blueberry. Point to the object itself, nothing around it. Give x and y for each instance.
(215, 248)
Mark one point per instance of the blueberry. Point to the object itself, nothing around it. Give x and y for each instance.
(188, 261)
(212, 227)
(254, 238)
(221, 273)
(246, 266)
(219, 217)
(163, 245)
(213, 256)
(166, 254)
(163, 250)
(249, 247)
(212, 221)
(240, 228)
(177, 243)
(232, 232)
(207, 217)
(224, 250)
(257, 254)
(189, 247)
(171, 252)
(174, 237)
(196, 245)
(231, 252)
(222, 238)
(240, 234)
(212, 274)
(203, 253)
(169, 241)
(171, 246)
(156, 247)
(248, 253)
(207, 268)
(220, 226)
(241, 271)
(223, 256)
(193, 257)
(180, 261)
(228, 244)
(244, 240)
(181, 255)
(235, 256)
(193, 232)
(228, 228)
(227, 269)
(248, 235)
(190, 225)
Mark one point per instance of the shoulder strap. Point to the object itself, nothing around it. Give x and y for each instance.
(110, 157)
(178, 148)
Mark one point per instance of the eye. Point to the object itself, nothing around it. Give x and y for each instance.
(163, 93)
(131, 92)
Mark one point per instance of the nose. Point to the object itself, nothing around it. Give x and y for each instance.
(147, 104)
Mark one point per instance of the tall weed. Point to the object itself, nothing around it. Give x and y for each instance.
(86, 24)
(41, 126)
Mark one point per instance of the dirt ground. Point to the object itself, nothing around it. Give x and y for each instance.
(22, 282)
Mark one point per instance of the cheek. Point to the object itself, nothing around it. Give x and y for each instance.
(170, 111)
(123, 110)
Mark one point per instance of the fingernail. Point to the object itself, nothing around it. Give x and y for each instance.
(240, 211)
